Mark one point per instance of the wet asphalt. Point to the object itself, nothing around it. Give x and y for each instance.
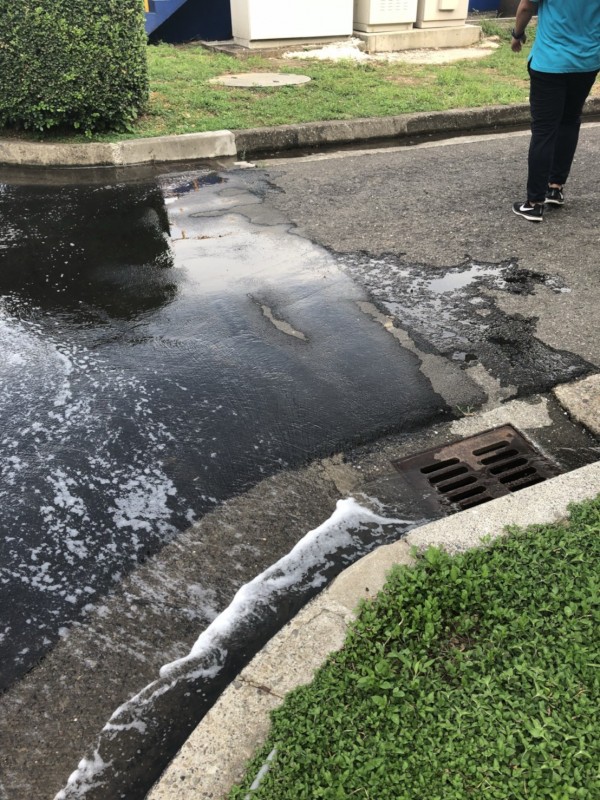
(172, 341)
(164, 351)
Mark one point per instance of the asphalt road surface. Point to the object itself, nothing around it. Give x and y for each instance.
(171, 342)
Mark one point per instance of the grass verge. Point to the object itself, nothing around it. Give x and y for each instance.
(183, 101)
(470, 676)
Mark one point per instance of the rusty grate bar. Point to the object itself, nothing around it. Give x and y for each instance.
(479, 468)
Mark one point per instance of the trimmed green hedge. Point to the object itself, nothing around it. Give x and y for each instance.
(72, 64)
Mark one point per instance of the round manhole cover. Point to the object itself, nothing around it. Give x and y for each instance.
(261, 79)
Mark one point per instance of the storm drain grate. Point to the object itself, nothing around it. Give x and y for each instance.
(479, 468)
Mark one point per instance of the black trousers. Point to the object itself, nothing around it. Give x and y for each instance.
(556, 103)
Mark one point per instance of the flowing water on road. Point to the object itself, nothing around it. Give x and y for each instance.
(167, 343)
(163, 346)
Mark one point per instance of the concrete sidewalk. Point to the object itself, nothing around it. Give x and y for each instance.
(244, 143)
(214, 757)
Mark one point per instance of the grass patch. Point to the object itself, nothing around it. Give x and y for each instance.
(338, 90)
(183, 101)
(474, 676)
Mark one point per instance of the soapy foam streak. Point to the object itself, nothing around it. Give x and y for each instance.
(304, 563)
(82, 487)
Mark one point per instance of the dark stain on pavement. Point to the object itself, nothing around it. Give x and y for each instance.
(454, 313)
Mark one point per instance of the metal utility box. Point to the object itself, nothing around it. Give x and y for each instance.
(441, 13)
(373, 16)
(274, 20)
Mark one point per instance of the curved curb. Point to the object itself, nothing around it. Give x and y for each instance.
(225, 143)
(213, 759)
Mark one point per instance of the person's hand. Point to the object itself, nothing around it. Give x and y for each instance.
(517, 41)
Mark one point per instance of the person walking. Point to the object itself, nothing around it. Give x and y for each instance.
(563, 65)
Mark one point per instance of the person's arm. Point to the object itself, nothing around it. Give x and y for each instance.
(525, 12)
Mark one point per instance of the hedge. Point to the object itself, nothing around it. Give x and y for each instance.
(72, 64)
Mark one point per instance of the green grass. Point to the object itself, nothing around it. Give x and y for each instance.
(474, 676)
(182, 100)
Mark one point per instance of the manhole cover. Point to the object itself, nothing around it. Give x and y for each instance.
(261, 79)
(477, 469)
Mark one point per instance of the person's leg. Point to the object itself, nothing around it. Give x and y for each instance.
(548, 93)
(579, 85)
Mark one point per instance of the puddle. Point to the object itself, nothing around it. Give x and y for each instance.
(458, 279)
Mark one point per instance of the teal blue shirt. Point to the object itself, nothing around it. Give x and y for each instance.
(567, 37)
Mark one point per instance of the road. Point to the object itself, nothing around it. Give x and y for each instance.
(292, 311)
(148, 381)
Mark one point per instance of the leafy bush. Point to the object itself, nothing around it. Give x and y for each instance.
(72, 64)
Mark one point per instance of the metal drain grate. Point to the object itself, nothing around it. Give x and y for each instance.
(477, 469)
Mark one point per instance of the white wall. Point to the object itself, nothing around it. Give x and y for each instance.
(291, 19)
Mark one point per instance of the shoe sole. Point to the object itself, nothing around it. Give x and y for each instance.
(554, 202)
(525, 216)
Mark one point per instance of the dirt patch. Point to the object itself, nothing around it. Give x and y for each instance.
(406, 80)
(353, 50)
(443, 56)
(282, 63)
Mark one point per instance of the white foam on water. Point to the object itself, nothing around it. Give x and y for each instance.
(207, 656)
(313, 550)
(87, 769)
(77, 492)
(143, 501)
(136, 725)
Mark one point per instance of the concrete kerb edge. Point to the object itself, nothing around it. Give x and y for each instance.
(313, 134)
(225, 143)
(581, 400)
(215, 755)
(156, 150)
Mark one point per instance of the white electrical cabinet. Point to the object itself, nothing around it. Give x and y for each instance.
(373, 16)
(260, 20)
(441, 13)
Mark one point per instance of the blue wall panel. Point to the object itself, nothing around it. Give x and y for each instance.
(209, 20)
(483, 5)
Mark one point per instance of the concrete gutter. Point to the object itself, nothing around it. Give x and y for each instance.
(245, 143)
(214, 757)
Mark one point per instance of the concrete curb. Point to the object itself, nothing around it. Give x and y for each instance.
(245, 143)
(582, 401)
(214, 756)
(314, 134)
(160, 149)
